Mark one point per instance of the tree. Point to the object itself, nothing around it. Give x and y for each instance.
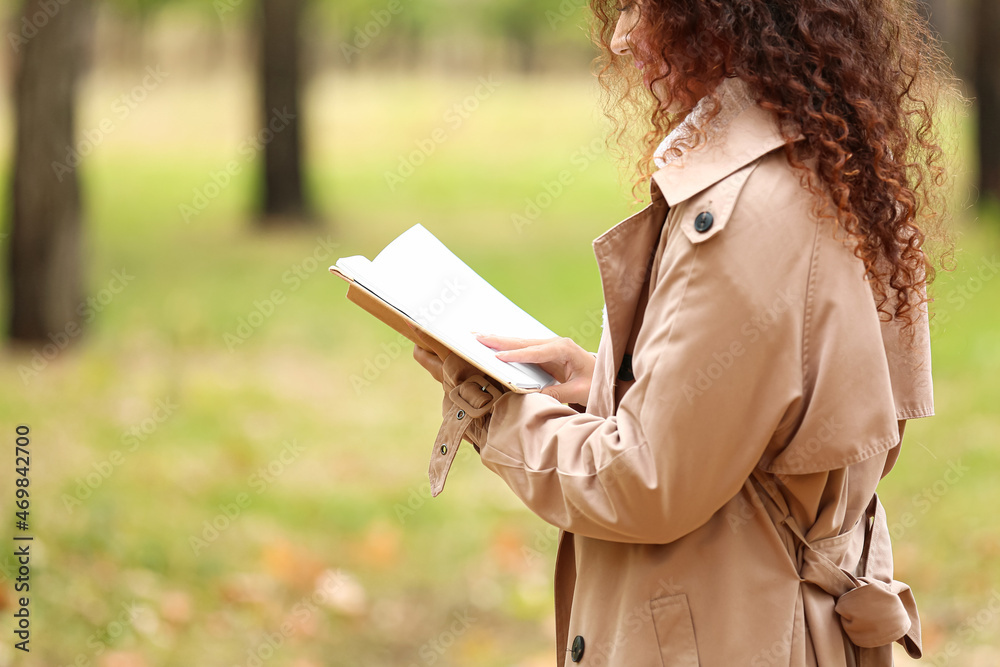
(44, 264)
(986, 81)
(284, 202)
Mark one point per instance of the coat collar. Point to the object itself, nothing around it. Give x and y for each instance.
(744, 133)
(741, 132)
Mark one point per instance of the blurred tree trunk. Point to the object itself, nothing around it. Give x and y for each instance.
(941, 15)
(987, 84)
(953, 21)
(527, 53)
(44, 264)
(284, 202)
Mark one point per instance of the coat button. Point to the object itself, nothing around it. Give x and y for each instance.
(625, 370)
(577, 653)
(703, 222)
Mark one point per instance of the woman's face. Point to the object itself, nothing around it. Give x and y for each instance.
(628, 41)
(627, 32)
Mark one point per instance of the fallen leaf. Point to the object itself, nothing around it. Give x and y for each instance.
(123, 659)
(345, 594)
(175, 607)
(380, 547)
(293, 566)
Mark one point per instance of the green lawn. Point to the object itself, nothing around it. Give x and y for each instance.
(201, 499)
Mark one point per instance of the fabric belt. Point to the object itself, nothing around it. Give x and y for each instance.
(472, 398)
(874, 609)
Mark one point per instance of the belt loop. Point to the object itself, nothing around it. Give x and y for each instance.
(484, 385)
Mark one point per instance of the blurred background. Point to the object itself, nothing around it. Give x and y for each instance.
(229, 458)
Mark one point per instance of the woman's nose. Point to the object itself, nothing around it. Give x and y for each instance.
(626, 24)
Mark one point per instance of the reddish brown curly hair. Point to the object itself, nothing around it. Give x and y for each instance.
(862, 80)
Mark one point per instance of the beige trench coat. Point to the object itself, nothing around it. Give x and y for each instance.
(716, 495)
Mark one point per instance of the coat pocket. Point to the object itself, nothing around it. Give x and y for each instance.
(674, 631)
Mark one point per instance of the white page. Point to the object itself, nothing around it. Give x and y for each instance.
(420, 276)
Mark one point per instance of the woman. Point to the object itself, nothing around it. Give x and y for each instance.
(766, 339)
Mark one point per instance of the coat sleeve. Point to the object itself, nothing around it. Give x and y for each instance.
(717, 367)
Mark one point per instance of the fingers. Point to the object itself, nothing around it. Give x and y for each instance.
(430, 361)
(508, 342)
(554, 391)
(427, 344)
(535, 351)
(426, 357)
(536, 354)
(568, 392)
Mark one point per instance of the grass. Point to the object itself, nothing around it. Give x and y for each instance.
(349, 496)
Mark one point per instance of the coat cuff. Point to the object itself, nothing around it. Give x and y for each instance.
(469, 398)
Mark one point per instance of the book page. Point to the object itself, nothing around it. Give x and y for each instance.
(420, 276)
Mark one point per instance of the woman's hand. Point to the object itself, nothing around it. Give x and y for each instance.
(427, 358)
(571, 365)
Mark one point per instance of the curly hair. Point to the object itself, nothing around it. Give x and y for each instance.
(861, 80)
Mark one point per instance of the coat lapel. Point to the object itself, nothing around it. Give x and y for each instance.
(624, 258)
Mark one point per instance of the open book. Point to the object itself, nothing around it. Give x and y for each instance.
(417, 279)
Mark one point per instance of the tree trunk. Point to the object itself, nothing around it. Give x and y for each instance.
(44, 263)
(284, 202)
(527, 52)
(941, 15)
(987, 85)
